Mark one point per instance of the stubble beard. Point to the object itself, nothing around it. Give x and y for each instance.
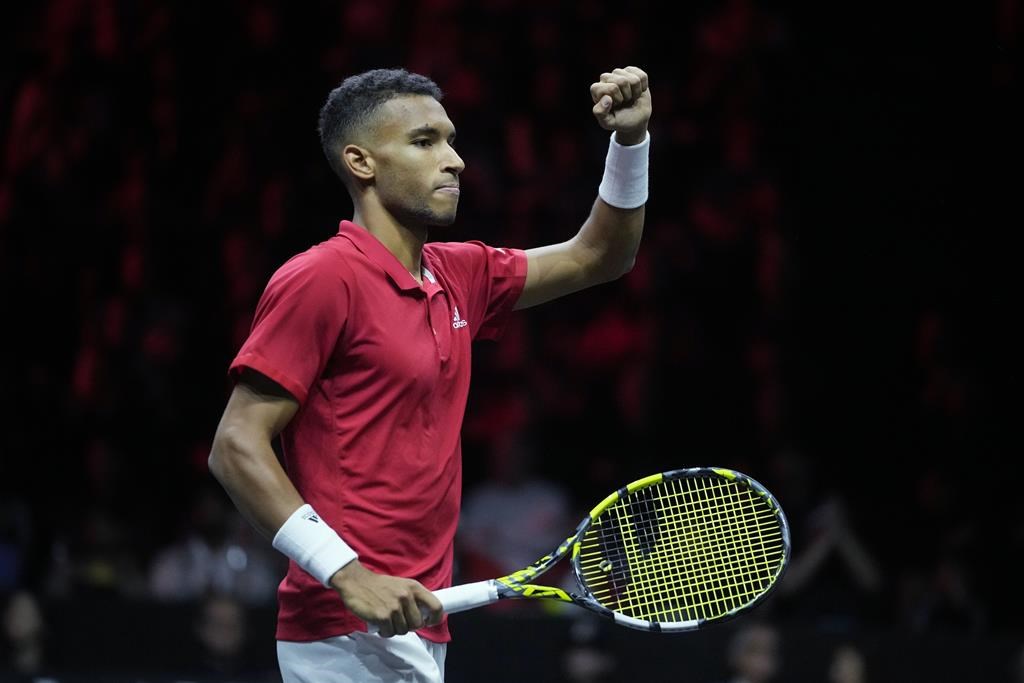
(423, 215)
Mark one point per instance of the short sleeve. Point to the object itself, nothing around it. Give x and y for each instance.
(298, 322)
(490, 278)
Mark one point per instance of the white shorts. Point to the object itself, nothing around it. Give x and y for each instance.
(362, 658)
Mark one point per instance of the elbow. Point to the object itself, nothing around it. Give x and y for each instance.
(224, 454)
(627, 267)
(216, 461)
(616, 269)
(620, 261)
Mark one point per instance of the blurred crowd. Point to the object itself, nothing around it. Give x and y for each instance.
(160, 160)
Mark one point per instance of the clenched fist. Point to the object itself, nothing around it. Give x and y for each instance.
(622, 103)
(391, 605)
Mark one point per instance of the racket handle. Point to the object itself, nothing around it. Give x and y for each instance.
(467, 596)
(460, 598)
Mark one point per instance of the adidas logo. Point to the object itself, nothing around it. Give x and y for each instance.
(458, 322)
(311, 516)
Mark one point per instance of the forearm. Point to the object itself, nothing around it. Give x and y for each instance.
(612, 232)
(247, 468)
(612, 237)
(605, 247)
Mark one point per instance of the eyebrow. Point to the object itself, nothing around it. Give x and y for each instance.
(430, 131)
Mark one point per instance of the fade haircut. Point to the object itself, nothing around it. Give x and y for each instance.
(351, 106)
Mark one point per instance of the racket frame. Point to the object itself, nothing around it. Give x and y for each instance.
(518, 584)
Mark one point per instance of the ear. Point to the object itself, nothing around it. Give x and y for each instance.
(358, 162)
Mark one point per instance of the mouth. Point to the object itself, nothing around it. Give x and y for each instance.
(449, 189)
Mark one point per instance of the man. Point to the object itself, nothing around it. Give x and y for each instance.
(359, 356)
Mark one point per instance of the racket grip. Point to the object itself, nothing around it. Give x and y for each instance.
(467, 596)
(459, 599)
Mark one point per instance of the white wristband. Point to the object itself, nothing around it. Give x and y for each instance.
(314, 545)
(624, 184)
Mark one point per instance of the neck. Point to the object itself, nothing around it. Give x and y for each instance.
(406, 243)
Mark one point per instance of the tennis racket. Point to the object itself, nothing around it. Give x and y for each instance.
(670, 552)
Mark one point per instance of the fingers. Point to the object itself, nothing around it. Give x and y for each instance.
(385, 629)
(398, 623)
(627, 82)
(393, 625)
(621, 86)
(429, 606)
(603, 95)
(406, 615)
(388, 604)
(606, 90)
(641, 74)
(602, 108)
(411, 611)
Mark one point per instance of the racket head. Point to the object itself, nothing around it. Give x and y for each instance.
(683, 549)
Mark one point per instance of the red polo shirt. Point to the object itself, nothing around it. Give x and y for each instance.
(380, 367)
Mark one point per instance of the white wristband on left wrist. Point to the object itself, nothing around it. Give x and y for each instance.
(624, 184)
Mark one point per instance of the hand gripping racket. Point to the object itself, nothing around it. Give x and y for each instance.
(670, 552)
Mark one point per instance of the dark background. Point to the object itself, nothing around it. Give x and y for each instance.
(822, 300)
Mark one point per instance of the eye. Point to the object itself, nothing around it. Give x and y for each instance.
(422, 143)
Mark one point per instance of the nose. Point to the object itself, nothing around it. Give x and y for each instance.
(453, 163)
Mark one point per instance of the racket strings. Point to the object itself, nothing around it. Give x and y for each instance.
(736, 588)
(653, 600)
(646, 602)
(739, 586)
(748, 575)
(683, 549)
(702, 569)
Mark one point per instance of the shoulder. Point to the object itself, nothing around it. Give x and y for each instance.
(324, 263)
(456, 250)
(471, 254)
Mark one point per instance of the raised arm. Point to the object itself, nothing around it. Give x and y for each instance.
(605, 246)
(245, 464)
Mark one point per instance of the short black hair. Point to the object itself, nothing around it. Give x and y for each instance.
(351, 104)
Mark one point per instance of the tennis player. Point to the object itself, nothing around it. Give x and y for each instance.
(359, 357)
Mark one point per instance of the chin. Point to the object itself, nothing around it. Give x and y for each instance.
(445, 220)
(440, 218)
(426, 216)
